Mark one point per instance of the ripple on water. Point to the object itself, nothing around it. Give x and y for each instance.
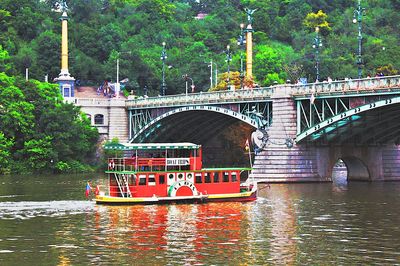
(6, 251)
(30, 209)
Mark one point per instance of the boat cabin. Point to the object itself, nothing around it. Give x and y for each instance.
(166, 170)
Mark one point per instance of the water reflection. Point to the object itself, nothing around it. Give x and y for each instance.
(339, 177)
(289, 224)
(178, 233)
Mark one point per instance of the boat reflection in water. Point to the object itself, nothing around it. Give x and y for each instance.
(213, 232)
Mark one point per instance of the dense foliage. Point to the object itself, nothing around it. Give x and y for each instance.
(133, 30)
(38, 131)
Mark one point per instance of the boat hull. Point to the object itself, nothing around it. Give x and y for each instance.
(237, 197)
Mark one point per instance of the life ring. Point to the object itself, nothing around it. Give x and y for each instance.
(183, 183)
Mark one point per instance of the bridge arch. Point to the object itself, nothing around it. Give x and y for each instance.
(221, 132)
(374, 116)
(195, 120)
(356, 168)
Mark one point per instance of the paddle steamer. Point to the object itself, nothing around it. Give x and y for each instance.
(151, 173)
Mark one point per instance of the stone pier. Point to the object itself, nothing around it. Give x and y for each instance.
(308, 162)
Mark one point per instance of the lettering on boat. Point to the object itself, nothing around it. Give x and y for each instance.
(183, 183)
(177, 161)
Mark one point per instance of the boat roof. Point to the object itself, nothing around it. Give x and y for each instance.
(150, 146)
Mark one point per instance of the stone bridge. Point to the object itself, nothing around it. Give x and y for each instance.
(307, 127)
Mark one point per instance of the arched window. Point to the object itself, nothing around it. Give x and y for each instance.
(98, 119)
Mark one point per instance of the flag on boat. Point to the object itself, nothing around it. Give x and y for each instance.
(247, 145)
(312, 98)
(88, 188)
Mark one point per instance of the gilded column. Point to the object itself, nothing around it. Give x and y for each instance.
(249, 52)
(249, 43)
(64, 79)
(64, 44)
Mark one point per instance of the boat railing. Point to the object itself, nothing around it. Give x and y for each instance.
(133, 164)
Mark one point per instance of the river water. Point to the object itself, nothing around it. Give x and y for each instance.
(46, 220)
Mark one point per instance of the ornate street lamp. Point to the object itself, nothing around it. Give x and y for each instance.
(357, 17)
(186, 78)
(241, 42)
(317, 43)
(163, 58)
(228, 60)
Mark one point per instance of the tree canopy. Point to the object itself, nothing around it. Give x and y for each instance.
(197, 31)
(33, 119)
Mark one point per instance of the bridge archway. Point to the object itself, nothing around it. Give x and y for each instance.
(356, 169)
(220, 131)
(144, 132)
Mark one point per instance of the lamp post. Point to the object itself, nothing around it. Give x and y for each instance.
(213, 81)
(163, 58)
(316, 45)
(187, 78)
(241, 41)
(211, 73)
(228, 60)
(357, 18)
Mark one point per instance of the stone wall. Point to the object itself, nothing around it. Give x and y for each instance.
(115, 123)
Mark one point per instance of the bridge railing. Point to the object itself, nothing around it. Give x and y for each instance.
(97, 101)
(201, 98)
(350, 85)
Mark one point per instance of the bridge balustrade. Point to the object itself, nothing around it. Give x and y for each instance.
(97, 102)
(202, 98)
(367, 84)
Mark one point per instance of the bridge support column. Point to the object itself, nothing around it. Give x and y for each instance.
(118, 120)
(277, 162)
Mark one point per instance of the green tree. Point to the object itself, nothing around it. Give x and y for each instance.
(270, 61)
(318, 19)
(4, 60)
(47, 46)
(5, 154)
(38, 153)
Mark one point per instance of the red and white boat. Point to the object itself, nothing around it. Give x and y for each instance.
(151, 173)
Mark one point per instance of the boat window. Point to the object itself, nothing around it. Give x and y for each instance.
(207, 178)
(152, 180)
(162, 179)
(171, 176)
(142, 180)
(198, 178)
(180, 176)
(234, 177)
(225, 177)
(216, 177)
(133, 180)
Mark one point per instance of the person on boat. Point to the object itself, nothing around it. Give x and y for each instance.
(88, 189)
(111, 164)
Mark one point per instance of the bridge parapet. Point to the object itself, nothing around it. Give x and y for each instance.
(349, 86)
(201, 98)
(96, 102)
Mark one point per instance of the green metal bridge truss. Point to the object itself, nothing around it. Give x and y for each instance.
(145, 121)
(366, 119)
